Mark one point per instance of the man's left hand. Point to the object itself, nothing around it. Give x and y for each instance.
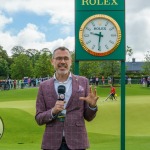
(92, 97)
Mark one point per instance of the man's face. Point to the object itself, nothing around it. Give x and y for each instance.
(62, 62)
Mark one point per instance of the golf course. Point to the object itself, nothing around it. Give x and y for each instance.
(21, 132)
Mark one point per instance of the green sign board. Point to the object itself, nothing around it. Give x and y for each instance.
(89, 5)
(100, 35)
(99, 30)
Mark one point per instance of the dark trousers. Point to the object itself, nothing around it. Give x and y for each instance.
(64, 145)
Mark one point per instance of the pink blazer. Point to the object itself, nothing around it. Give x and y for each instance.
(77, 111)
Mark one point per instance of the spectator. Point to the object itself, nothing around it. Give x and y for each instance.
(97, 81)
(103, 80)
(129, 81)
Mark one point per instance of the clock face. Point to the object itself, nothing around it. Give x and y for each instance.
(100, 35)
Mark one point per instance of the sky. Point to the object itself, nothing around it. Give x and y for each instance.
(50, 23)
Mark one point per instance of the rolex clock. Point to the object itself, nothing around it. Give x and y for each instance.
(100, 35)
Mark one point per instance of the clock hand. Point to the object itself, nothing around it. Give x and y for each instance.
(94, 33)
(99, 47)
(99, 39)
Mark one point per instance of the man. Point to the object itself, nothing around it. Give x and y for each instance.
(148, 81)
(112, 92)
(129, 81)
(80, 103)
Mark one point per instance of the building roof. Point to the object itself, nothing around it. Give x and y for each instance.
(134, 66)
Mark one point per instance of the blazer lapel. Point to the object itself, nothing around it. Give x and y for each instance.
(52, 88)
(75, 86)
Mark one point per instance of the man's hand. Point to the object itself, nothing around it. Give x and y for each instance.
(92, 97)
(59, 106)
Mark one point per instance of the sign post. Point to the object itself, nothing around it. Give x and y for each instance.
(100, 35)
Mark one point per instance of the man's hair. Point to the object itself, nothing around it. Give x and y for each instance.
(62, 48)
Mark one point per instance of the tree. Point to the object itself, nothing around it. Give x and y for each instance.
(22, 67)
(47, 51)
(98, 68)
(146, 65)
(3, 53)
(43, 67)
(4, 69)
(33, 54)
(110, 68)
(6, 61)
(129, 52)
(17, 50)
(89, 68)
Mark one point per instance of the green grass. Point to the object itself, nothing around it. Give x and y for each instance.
(18, 94)
(103, 91)
(17, 108)
(20, 131)
(136, 89)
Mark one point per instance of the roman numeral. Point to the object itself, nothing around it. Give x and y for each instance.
(113, 35)
(112, 28)
(107, 46)
(93, 46)
(88, 28)
(88, 42)
(111, 42)
(106, 23)
(86, 35)
(93, 23)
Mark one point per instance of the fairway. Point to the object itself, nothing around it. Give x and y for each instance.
(22, 132)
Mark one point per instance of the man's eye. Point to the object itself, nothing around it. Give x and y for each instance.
(66, 58)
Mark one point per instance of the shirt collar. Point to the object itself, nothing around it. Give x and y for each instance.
(69, 78)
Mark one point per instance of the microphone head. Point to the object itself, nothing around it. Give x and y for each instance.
(61, 89)
(61, 92)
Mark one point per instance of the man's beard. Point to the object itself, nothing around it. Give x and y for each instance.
(65, 71)
(62, 72)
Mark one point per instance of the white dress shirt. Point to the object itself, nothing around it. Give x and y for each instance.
(67, 84)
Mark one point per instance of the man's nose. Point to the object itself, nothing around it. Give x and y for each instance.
(63, 60)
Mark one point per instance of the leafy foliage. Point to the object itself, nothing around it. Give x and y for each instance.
(98, 68)
(38, 62)
(129, 52)
(90, 68)
(4, 69)
(4, 63)
(110, 68)
(17, 50)
(146, 66)
(22, 67)
(43, 66)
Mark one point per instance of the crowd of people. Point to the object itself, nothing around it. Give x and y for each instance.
(97, 80)
(145, 81)
(9, 84)
(34, 82)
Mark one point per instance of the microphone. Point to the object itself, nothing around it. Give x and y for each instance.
(61, 92)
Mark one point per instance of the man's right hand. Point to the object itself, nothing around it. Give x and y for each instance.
(59, 106)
